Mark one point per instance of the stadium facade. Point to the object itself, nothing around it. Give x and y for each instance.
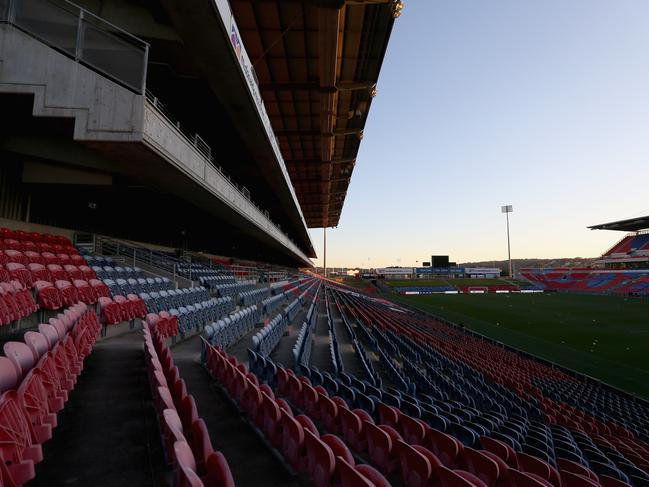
(221, 127)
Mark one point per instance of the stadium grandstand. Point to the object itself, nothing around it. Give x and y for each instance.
(161, 323)
(622, 269)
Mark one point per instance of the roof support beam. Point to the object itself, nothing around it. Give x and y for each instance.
(314, 85)
(318, 162)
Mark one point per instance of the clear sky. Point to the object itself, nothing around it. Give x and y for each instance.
(540, 104)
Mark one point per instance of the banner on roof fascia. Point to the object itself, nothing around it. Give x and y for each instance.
(223, 7)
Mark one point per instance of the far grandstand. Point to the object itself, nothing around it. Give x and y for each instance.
(623, 269)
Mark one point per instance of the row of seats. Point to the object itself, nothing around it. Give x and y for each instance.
(292, 309)
(230, 329)
(334, 352)
(34, 237)
(176, 298)
(54, 296)
(187, 443)
(36, 377)
(199, 270)
(233, 289)
(139, 285)
(304, 341)
(195, 316)
(26, 257)
(211, 281)
(30, 273)
(267, 339)
(325, 459)
(247, 298)
(271, 304)
(424, 455)
(368, 369)
(121, 308)
(16, 302)
(164, 323)
(474, 370)
(118, 272)
(588, 280)
(98, 260)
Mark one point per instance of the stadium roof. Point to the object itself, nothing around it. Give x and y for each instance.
(317, 64)
(630, 225)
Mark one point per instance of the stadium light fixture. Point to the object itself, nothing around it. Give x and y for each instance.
(507, 209)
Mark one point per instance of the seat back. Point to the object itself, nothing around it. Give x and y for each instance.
(21, 357)
(350, 476)
(416, 470)
(482, 466)
(320, 460)
(37, 343)
(200, 442)
(218, 471)
(8, 375)
(50, 334)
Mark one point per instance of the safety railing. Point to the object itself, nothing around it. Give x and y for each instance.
(83, 36)
(206, 151)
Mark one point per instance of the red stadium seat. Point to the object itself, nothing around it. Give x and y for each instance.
(9, 376)
(503, 451)
(416, 469)
(457, 478)
(352, 429)
(339, 449)
(17, 448)
(445, 447)
(20, 273)
(47, 296)
(172, 430)
(110, 311)
(68, 292)
(360, 475)
(293, 441)
(33, 257)
(570, 479)
(321, 462)
(33, 398)
(381, 446)
(85, 291)
(482, 466)
(101, 290)
(39, 272)
(412, 430)
(521, 479)
(328, 413)
(199, 440)
(21, 357)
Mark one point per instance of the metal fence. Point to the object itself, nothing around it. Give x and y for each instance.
(83, 36)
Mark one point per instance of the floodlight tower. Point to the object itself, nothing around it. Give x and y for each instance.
(325, 253)
(507, 209)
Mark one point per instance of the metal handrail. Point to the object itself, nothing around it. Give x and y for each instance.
(205, 150)
(10, 12)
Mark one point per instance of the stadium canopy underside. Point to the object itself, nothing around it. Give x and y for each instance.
(317, 64)
(629, 225)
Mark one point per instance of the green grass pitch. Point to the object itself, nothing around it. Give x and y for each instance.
(606, 337)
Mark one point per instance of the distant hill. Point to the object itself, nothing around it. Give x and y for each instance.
(520, 263)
